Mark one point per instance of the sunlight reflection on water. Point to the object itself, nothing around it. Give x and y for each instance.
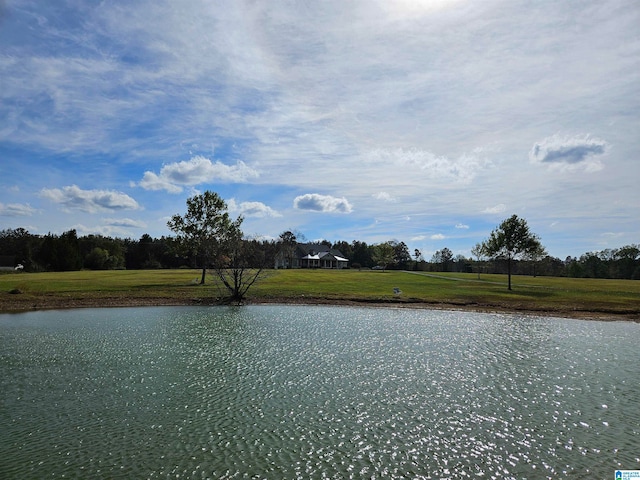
(298, 392)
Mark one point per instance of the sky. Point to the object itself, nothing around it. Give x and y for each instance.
(422, 121)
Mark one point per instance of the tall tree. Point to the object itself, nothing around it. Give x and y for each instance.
(383, 254)
(401, 256)
(512, 239)
(60, 254)
(287, 244)
(362, 254)
(419, 258)
(20, 244)
(443, 258)
(626, 261)
(446, 256)
(204, 229)
(535, 255)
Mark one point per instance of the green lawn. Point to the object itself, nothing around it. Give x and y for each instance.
(552, 294)
(530, 293)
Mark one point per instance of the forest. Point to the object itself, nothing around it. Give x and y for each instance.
(68, 251)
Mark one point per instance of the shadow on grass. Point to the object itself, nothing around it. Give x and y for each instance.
(530, 293)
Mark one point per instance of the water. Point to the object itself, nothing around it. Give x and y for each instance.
(315, 392)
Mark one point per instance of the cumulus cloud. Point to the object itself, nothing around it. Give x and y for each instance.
(569, 152)
(151, 181)
(500, 208)
(252, 209)
(462, 226)
(16, 210)
(322, 203)
(196, 171)
(437, 236)
(74, 198)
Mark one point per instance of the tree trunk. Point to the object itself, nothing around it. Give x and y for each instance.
(204, 272)
(509, 270)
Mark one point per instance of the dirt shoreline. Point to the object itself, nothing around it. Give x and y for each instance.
(19, 303)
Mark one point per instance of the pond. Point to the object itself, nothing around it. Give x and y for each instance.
(315, 392)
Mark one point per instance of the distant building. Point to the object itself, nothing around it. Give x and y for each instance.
(311, 255)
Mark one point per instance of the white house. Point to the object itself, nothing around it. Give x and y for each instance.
(311, 255)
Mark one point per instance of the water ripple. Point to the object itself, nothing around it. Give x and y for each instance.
(315, 392)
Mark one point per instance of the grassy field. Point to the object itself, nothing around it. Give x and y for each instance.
(564, 296)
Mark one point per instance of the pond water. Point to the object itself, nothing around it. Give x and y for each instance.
(315, 392)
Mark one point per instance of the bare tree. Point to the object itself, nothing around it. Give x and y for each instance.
(241, 267)
(478, 252)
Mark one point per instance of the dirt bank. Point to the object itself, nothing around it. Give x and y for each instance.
(20, 303)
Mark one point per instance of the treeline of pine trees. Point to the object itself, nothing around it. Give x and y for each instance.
(68, 251)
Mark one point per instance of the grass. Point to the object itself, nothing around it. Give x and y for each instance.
(54, 289)
(147, 287)
(529, 293)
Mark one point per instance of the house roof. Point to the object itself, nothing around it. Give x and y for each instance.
(324, 255)
(316, 251)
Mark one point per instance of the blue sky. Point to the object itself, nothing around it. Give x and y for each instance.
(423, 121)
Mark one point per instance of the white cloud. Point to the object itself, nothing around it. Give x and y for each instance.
(105, 230)
(151, 181)
(384, 196)
(418, 238)
(73, 197)
(423, 163)
(462, 226)
(611, 239)
(322, 203)
(252, 209)
(437, 236)
(16, 210)
(196, 171)
(500, 208)
(124, 222)
(343, 98)
(569, 152)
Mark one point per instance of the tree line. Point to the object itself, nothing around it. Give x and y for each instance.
(68, 251)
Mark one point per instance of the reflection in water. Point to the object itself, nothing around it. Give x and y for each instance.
(299, 392)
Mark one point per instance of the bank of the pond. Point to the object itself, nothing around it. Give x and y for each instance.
(15, 303)
(546, 296)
